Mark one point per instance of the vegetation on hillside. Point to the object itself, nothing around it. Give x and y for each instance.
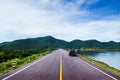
(51, 42)
(20, 56)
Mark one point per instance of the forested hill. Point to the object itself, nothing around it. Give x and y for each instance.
(51, 42)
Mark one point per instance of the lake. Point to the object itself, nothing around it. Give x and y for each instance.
(111, 58)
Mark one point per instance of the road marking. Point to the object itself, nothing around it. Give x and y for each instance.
(100, 70)
(24, 68)
(60, 66)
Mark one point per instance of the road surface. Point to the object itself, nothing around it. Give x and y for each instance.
(58, 66)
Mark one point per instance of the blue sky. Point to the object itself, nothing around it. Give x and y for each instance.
(63, 19)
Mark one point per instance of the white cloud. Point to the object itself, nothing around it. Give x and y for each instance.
(22, 19)
(100, 30)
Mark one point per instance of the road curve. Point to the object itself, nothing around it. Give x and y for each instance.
(58, 66)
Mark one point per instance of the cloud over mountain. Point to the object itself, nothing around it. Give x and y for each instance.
(66, 19)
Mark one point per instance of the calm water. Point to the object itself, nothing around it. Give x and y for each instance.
(111, 58)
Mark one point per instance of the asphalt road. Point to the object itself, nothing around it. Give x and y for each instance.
(58, 66)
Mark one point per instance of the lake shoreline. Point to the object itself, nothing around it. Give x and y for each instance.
(100, 64)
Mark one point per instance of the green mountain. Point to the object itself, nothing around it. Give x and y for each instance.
(51, 42)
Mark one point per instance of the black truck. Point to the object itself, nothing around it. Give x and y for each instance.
(72, 53)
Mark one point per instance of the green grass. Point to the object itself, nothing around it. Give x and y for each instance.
(8, 65)
(101, 65)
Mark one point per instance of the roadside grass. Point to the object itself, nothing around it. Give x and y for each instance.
(8, 65)
(101, 65)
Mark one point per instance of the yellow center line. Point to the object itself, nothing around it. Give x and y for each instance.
(60, 66)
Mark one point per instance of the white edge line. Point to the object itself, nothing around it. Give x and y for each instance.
(100, 70)
(22, 69)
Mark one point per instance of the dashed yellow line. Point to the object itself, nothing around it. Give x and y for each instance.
(60, 66)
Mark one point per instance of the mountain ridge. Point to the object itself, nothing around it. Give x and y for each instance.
(51, 42)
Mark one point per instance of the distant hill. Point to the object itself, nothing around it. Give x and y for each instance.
(51, 42)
